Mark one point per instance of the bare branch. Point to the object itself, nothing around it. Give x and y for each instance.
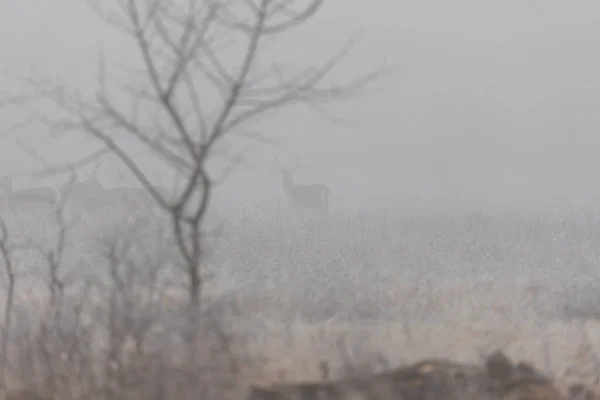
(237, 87)
(239, 159)
(199, 40)
(274, 9)
(108, 17)
(197, 108)
(114, 148)
(307, 90)
(315, 106)
(163, 94)
(155, 145)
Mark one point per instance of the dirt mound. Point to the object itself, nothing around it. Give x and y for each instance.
(498, 378)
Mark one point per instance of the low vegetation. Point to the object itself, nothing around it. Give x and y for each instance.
(100, 312)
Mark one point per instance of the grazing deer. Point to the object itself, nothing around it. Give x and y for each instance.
(89, 193)
(14, 198)
(313, 197)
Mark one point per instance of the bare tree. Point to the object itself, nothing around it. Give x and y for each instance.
(186, 97)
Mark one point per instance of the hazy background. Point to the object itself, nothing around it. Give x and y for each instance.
(485, 104)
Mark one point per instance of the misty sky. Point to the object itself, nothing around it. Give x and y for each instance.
(484, 104)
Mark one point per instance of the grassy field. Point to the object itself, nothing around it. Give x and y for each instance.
(409, 287)
(373, 289)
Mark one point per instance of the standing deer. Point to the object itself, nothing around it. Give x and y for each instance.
(313, 197)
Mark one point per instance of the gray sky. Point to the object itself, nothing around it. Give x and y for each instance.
(485, 104)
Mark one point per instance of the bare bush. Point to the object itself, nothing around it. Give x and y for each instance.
(116, 334)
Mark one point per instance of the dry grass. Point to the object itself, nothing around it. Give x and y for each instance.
(369, 290)
(411, 287)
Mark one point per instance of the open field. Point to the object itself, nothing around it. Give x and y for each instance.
(374, 290)
(410, 287)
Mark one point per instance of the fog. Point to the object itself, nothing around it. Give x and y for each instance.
(486, 105)
(426, 242)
